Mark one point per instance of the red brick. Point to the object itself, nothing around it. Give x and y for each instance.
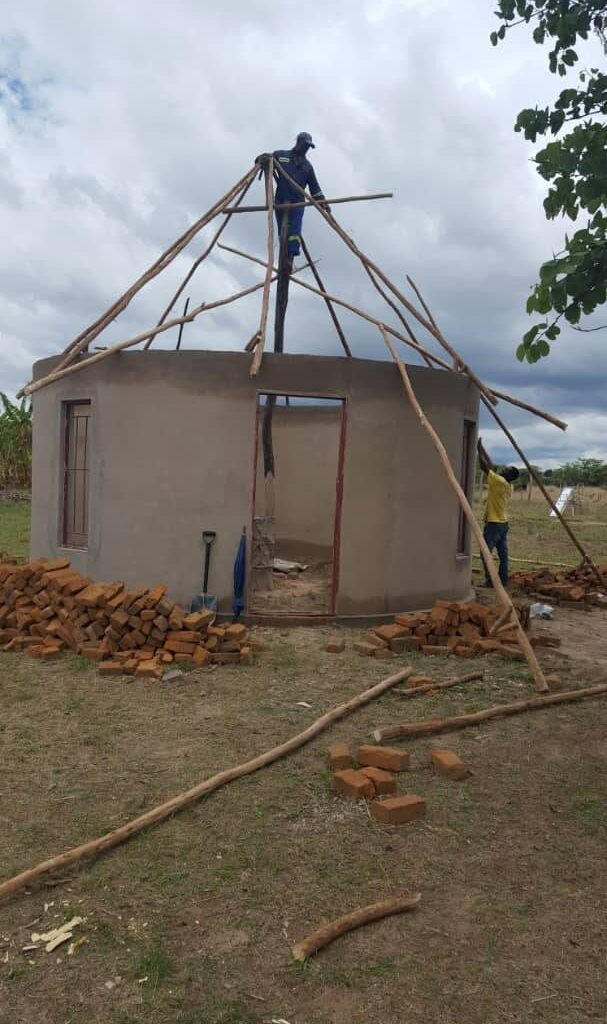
(447, 763)
(366, 649)
(383, 653)
(353, 784)
(419, 681)
(397, 810)
(221, 658)
(388, 758)
(384, 782)
(111, 668)
(339, 756)
(236, 632)
(412, 643)
(390, 631)
(247, 656)
(372, 638)
(179, 647)
(187, 636)
(436, 649)
(149, 669)
(335, 645)
(400, 644)
(199, 620)
(200, 656)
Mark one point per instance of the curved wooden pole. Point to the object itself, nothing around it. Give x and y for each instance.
(502, 593)
(177, 803)
(206, 252)
(397, 311)
(417, 691)
(310, 202)
(365, 915)
(431, 726)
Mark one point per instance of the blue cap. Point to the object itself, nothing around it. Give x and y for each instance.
(307, 138)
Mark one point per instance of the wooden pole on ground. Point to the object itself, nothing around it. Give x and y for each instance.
(265, 302)
(206, 252)
(538, 676)
(434, 725)
(329, 305)
(425, 353)
(177, 803)
(365, 915)
(83, 340)
(417, 691)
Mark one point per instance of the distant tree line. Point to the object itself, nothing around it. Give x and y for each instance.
(592, 472)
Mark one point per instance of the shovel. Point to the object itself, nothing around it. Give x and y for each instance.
(205, 601)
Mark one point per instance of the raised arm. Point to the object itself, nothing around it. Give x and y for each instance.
(484, 460)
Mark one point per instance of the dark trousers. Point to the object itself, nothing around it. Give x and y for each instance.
(295, 217)
(496, 536)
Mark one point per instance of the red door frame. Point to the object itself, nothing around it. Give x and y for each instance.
(339, 487)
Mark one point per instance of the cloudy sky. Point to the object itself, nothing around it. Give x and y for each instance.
(121, 123)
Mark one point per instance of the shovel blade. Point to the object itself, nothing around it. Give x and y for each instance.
(203, 602)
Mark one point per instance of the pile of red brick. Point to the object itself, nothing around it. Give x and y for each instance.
(574, 586)
(48, 606)
(374, 779)
(452, 627)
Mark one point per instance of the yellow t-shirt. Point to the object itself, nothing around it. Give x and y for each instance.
(499, 492)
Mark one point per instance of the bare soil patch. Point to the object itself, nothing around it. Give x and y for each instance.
(193, 921)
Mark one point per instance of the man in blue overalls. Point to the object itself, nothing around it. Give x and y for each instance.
(300, 169)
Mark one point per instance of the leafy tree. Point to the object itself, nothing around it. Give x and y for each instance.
(592, 472)
(15, 443)
(574, 282)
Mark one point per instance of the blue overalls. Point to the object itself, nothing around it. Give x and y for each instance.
(301, 170)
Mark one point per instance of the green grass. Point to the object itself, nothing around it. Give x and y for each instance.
(15, 528)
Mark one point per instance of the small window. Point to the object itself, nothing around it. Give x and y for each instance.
(467, 467)
(76, 453)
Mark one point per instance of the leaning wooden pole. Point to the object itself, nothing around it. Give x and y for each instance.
(200, 259)
(538, 676)
(585, 557)
(328, 303)
(430, 726)
(265, 302)
(537, 479)
(397, 312)
(86, 337)
(178, 803)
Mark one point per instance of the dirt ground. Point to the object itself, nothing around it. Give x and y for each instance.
(193, 921)
(307, 592)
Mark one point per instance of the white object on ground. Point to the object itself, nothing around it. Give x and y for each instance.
(57, 936)
(563, 500)
(540, 611)
(282, 565)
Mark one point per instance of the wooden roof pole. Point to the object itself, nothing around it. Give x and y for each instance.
(329, 304)
(540, 681)
(84, 339)
(308, 201)
(391, 286)
(206, 252)
(265, 302)
(424, 352)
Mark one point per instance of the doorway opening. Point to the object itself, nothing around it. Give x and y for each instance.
(297, 492)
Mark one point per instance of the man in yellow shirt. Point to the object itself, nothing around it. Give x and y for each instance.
(499, 492)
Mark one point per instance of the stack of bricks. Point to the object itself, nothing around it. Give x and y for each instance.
(576, 587)
(374, 780)
(47, 606)
(452, 627)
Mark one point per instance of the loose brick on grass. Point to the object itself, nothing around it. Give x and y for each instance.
(365, 649)
(398, 810)
(383, 653)
(390, 631)
(447, 763)
(388, 758)
(384, 782)
(353, 784)
(335, 645)
(339, 756)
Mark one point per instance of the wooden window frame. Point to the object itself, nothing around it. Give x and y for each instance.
(70, 537)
